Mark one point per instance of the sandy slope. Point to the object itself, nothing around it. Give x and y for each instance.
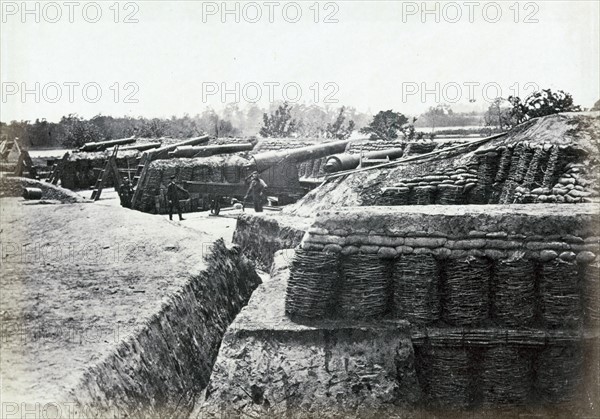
(76, 279)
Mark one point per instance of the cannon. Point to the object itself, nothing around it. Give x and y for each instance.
(163, 152)
(140, 147)
(103, 145)
(220, 194)
(277, 168)
(209, 150)
(347, 161)
(264, 161)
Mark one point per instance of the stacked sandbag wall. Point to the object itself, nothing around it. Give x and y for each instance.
(312, 169)
(521, 282)
(506, 174)
(419, 147)
(216, 169)
(82, 173)
(373, 144)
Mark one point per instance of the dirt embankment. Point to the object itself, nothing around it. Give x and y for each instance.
(159, 371)
(111, 310)
(11, 186)
(261, 235)
(553, 159)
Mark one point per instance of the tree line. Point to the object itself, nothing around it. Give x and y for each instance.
(304, 121)
(287, 120)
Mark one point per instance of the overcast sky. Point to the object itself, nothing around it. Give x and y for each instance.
(374, 55)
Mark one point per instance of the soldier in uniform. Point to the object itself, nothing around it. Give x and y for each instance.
(173, 191)
(257, 189)
(126, 192)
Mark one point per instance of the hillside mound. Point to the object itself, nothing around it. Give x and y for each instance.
(549, 159)
(13, 186)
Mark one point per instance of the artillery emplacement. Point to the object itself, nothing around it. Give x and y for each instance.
(216, 174)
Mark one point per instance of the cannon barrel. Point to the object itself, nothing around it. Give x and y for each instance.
(339, 162)
(140, 147)
(163, 152)
(209, 150)
(347, 161)
(103, 145)
(264, 161)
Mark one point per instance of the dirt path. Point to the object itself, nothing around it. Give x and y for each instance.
(222, 226)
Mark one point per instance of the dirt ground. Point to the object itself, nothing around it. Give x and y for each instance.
(221, 226)
(78, 278)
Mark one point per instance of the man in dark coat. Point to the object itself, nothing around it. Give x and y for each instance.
(257, 189)
(126, 192)
(173, 191)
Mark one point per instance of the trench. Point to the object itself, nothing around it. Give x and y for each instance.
(159, 370)
(165, 370)
(260, 236)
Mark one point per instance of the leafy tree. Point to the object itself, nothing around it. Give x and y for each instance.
(337, 129)
(186, 127)
(360, 119)
(596, 106)
(234, 115)
(226, 129)
(541, 103)
(436, 115)
(280, 123)
(154, 128)
(79, 131)
(40, 132)
(312, 120)
(498, 114)
(217, 126)
(253, 120)
(387, 125)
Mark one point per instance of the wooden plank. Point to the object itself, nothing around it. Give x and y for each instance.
(111, 165)
(58, 169)
(144, 163)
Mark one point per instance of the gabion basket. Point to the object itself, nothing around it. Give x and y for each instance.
(310, 287)
(416, 288)
(466, 291)
(364, 287)
(560, 294)
(514, 292)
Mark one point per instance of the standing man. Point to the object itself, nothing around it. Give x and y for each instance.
(173, 198)
(126, 192)
(257, 188)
